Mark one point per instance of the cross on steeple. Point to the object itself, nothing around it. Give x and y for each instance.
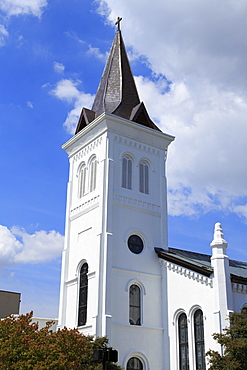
(118, 23)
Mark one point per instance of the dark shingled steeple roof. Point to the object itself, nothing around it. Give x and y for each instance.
(117, 93)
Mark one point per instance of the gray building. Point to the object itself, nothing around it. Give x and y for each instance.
(9, 303)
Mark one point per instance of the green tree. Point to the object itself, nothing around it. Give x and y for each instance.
(234, 342)
(23, 346)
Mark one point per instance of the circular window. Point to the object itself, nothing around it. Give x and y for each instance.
(135, 244)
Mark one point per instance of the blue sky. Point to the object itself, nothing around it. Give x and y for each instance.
(189, 61)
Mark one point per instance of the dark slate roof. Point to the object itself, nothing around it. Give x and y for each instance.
(189, 260)
(201, 263)
(117, 93)
(238, 272)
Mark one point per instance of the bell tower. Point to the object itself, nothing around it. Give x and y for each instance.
(116, 215)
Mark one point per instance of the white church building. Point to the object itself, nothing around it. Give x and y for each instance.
(157, 305)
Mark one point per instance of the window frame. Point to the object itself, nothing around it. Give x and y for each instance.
(127, 172)
(83, 290)
(82, 175)
(144, 170)
(92, 173)
(132, 306)
(135, 368)
(244, 310)
(184, 344)
(132, 246)
(200, 342)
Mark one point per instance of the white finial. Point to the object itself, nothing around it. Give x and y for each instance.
(218, 236)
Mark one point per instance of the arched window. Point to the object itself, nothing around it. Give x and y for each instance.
(82, 180)
(127, 172)
(134, 305)
(244, 311)
(92, 174)
(134, 364)
(183, 342)
(144, 177)
(199, 340)
(82, 311)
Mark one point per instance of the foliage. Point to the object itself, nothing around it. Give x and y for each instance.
(234, 342)
(23, 346)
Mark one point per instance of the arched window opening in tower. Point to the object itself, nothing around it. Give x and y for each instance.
(199, 340)
(127, 172)
(144, 177)
(82, 180)
(92, 174)
(83, 290)
(134, 305)
(134, 364)
(183, 342)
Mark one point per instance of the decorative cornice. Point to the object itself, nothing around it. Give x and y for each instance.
(137, 145)
(89, 148)
(239, 288)
(84, 207)
(147, 207)
(189, 274)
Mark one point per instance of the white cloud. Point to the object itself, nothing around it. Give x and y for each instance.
(187, 39)
(96, 53)
(3, 35)
(29, 104)
(67, 90)
(17, 246)
(9, 246)
(206, 164)
(58, 67)
(201, 48)
(18, 7)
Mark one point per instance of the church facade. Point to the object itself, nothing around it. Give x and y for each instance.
(157, 305)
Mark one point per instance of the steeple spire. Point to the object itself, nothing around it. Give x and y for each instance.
(117, 93)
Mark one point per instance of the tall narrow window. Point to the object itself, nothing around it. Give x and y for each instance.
(92, 174)
(144, 177)
(134, 305)
(82, 312)
(183, 342)
(82, 181)
(127, 172)
(199, 340)
(134, 364)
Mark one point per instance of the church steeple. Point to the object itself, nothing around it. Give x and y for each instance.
(116, 214)
(117, 93)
